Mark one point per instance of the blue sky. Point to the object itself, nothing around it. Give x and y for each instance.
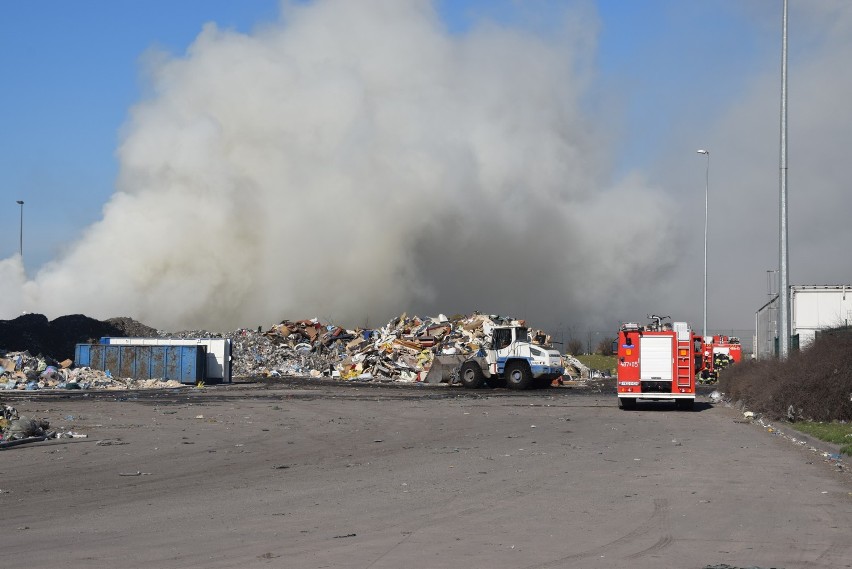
(665, 77)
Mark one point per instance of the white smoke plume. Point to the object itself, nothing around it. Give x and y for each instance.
(356, 160)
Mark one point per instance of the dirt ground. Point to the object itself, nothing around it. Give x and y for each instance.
(334, 476)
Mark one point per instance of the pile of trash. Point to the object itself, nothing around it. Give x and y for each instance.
(581, 371)
(16, 429)
(403, 350)
(22, 371)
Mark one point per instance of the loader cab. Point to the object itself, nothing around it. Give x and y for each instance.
(502, 338)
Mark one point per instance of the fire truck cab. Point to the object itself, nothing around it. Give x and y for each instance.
(657, 362)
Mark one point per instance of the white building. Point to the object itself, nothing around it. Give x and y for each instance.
(812, 308)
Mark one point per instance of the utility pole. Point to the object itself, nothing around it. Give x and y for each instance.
(783, 262)
(706, 153)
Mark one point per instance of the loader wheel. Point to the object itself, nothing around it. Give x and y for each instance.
(627, 403)
(471, 375)
(518, 375)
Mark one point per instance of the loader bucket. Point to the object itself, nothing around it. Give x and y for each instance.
(444, 369)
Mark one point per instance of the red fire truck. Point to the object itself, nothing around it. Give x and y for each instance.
(657, 362)
(721, 352)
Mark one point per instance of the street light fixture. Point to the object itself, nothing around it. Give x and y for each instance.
(21, 238)
(706, 204)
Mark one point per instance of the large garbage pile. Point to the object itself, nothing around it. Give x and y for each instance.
(403, 350)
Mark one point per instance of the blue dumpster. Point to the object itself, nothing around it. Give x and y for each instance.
(186, 364)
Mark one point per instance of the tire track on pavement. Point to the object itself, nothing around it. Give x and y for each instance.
(661, 506)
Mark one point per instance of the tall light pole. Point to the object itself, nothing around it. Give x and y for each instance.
(783, 268)
(706, 207)
(21, 237)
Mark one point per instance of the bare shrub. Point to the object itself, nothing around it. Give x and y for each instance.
(605, 347)
(816, 383)
(574, 347)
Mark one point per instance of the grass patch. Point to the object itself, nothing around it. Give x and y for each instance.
(596, 361)
(834, 432)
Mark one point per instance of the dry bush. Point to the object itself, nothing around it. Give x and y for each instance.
(574, 347)
(605, 347)
(816, 382)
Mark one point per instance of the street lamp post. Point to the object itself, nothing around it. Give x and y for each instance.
(784, 257)
(21, 236)
(706, 204)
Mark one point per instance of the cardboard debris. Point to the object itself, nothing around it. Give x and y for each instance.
(403, 350)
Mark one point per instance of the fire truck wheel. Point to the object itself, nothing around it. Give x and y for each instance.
(684, 404)
(518, 375)
(627, 403)
(471, 375)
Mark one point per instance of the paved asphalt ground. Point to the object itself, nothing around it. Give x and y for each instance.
(338, 476)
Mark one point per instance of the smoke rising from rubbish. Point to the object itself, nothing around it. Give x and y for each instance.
(354, 161)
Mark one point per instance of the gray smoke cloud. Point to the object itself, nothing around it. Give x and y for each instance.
(356, 160)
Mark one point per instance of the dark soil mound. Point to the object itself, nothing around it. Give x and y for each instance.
(67, 331)
(56, 339)
(27, 332)
(130, 328)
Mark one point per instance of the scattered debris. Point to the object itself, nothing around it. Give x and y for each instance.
(22, 371)
(581, 370)
(26, 427)
(18, 429)
(796, 438)
(112, 442)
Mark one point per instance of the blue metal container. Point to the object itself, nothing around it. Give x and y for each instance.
(186, 364)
